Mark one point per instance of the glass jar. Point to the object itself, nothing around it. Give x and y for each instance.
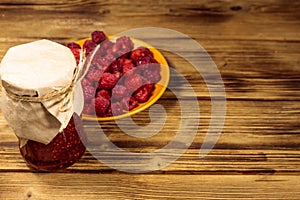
(63, 151)
(39, 81)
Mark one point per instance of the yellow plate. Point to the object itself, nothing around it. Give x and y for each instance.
(160, 87)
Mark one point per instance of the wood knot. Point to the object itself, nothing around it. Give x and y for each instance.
(236, 8)
(29, 194)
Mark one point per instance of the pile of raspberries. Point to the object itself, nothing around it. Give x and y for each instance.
(120, 77)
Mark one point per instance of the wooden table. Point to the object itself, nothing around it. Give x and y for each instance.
(256, 47)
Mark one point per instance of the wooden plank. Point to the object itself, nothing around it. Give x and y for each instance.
(199, 19)
(257, 135)
(219, 161)
(128, 186)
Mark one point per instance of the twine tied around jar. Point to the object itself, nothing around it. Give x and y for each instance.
(66, 91)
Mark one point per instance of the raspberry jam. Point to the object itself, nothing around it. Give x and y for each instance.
(64, 150)
(39, 82)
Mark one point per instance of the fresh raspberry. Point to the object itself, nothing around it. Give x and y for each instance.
(110, 59)
(149, 87)
(119, 92)
(116, 109)
(88, 93)
(152, 75)
(118, 75)
(125, 55)
(94, 76)
(89, 46)
(108, 112)
(107, 44)
(73, 45)
(140, 52)
(76, 53)
(99, 66)
(123, 61)
(114, 67)
(98, 37)
(142, 94)
(103, 93)
(122, 46)
(144, 60)
(85, 82)
(129, 103)
(127, 68)
(101, 105)
(105, 48)
(125, 42)
(88, 109)
(102, 61)
(107, 81)
(133, 81)
(151, 66)
(65, 149)
(75, 48)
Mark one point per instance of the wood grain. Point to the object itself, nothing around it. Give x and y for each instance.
(116, 186)
(256, 47)
(264, 143)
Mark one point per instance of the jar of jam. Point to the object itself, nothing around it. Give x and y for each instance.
(65, 148)
(38, 84)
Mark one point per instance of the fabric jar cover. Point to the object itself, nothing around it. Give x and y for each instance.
(38, 84)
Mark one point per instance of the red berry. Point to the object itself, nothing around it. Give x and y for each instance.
(116, 109)
(144, 60)
(76, 53)
(142, 94)
(140, 52)
(102, 61)
(107, 81)
(94, 76)
(114, 67)
(123, 61)
(127, 68)
(126, 55)
(119, 92)
(108, 112)
(88, 109)
(122, 46)
(75, 48)
(88, 93)
(152, 76)
(149, 87)
(85, 82)
(103, 93)
(98, 36)
(133, 81)
(73, 45)
(129, 103)
(89, 46)
(105, 48)
(151, 66)
(64, 150)
(101, 105)
(125, 42)
(110, 59)
(118, 75)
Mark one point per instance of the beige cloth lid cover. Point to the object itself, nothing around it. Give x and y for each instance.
(35, 69)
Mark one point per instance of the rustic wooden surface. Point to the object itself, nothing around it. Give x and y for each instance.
(256, 46)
